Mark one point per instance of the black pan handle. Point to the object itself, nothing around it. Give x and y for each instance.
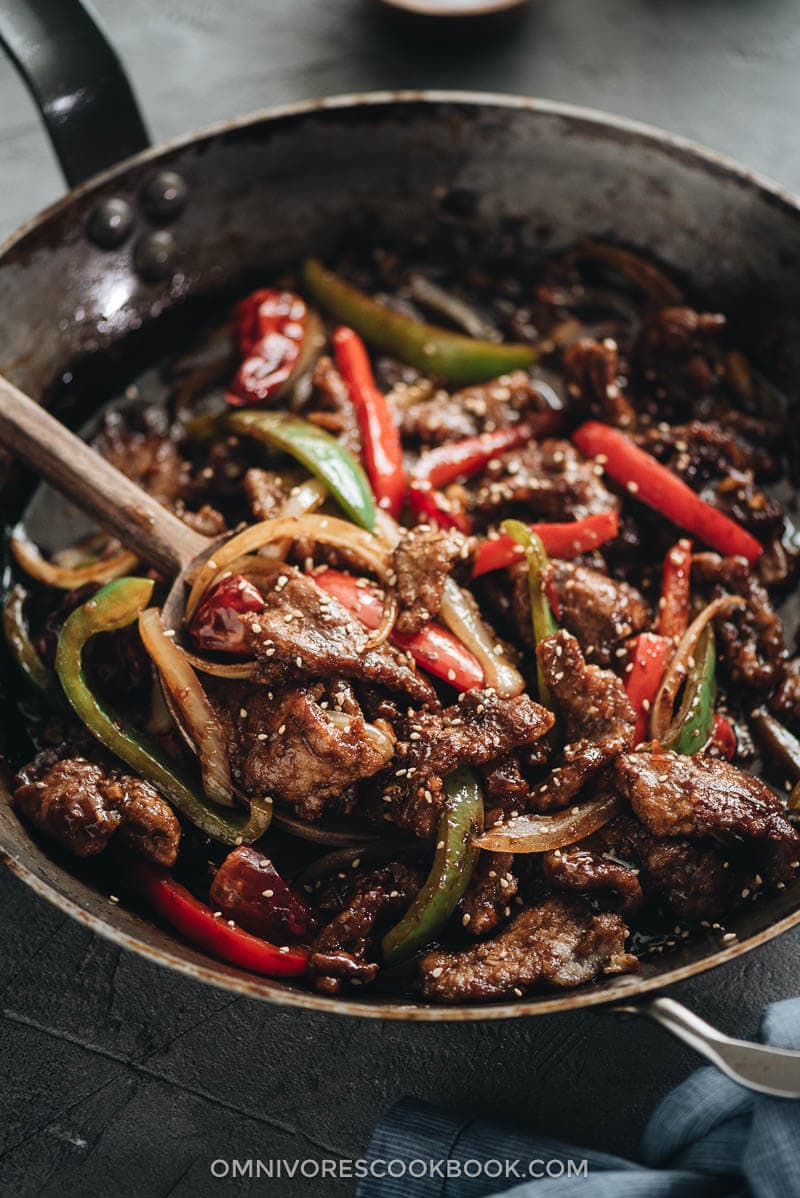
(77, 81)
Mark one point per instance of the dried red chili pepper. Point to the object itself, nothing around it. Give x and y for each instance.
(273, 329)
(197, 923)
(248, 888)
(216, 625)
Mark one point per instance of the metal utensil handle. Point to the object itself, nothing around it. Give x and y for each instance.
(76, 79)
(95, 486)
(760, 1067)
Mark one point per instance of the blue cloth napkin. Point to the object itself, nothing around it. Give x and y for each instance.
(709, 1137)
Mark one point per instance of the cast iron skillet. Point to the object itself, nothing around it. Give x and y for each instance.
(97, 284)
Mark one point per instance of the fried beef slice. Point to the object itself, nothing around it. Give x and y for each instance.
(751, 637)
(142, 448)
(266, 492)
(544, 480)
(558, 942)
(330, 405)
(423, 558)
(697, 880)
(305, 633)
(347, 947)
(82, 805)
(594, 713)
(284, 744)
(596, 609)
(677, 795)
(724, 467)
(578, 870)
(675, 351)
(474, 410)
(147, 455)
(702, 450)
(591, 373)
(491, 888)
(479, 729)
(785, 703)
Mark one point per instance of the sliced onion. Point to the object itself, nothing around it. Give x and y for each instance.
(460, 613)
(30, 559)
(336, 836)
(543, 833)
(192, 702)
(386, 528)
(307, 496)
(381, 740)
(327, 530)
(452, 307)
(220, 669)
(83, 553)
(664, 704)
(385, 629)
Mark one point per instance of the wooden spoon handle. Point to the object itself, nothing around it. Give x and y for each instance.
(95, 486)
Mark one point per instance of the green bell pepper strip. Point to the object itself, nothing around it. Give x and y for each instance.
(18, 639)
(453, 863)
(312, 447)
(433, 350)
(116, 606)
(693, 724)
(544, 624)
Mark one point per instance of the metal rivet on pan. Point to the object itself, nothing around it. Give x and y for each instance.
(110, 223)
(164, 196)
(154, 256)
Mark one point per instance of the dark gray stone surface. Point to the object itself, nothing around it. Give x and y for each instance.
(116, 1077)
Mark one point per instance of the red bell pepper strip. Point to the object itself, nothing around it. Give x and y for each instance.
(383, 451)
(456, 460)
(723, 737)
(660, 489)
(562, 541)
(216, 625)
(673, 608)
(197, 924)
(648, 659)
(272, 328)
(434, 648)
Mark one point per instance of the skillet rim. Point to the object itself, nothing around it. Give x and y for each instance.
(217, 974)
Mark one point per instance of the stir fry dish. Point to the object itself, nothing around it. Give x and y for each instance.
(487, 685)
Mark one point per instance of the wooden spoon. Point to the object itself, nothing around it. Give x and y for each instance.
(140, 522)
(95, 486)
